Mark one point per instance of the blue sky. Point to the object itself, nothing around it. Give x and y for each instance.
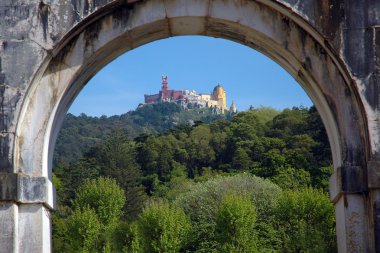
(191, 62)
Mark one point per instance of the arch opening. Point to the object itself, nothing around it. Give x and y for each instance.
(70, 70)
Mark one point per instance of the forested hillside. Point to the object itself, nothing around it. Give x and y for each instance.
(254, 183)
(79, 133)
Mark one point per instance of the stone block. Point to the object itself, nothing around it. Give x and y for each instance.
(373, 173)
(352, 179)
(35, 190)
(25, 189)
(31, 189)
(355, 51)
(149, 12)
(346, 179)
(187, 25)
(351, 223)
(184, 8)
(34, 228)
(8, 222)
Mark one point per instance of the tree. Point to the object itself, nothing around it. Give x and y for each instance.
(105, 199)
(203, 199)
(264, 114)
(162, 227)
(116, 156)
(235, 225)
(241, 160)
(157, 153)
(290, 178)
(83, 231)
(198, 146)
(102, 195)
(272, 161)
(321, 177)
(317, 131)
(179, 182)
(72, 176)
(247, 124)
(306, 222)
(290, 122)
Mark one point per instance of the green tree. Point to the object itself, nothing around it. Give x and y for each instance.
(81, 133)
(60, 234)
(272, 161)
(290, 178)
(157, 153)
(162, 227)
(71, 176)
(241, 160)
(179, 182)
(317, 131)
(235, 225)
(321, 177)
(289, 122)
(306, 222)
(116, 156)
(106, 200)
(198, 146)
(264, 114)
(103, 195)
(203, 199)
(83, 231)
(247, 124)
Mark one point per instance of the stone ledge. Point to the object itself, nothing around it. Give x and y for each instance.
(346, 180)
(373, 173)
(25, 189)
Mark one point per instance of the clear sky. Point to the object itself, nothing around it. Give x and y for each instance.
(194, 63)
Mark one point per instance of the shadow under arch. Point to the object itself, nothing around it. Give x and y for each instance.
(265, 26)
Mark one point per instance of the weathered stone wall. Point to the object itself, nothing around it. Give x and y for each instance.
(49, 49)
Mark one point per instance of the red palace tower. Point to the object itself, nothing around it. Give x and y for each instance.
(164, 94)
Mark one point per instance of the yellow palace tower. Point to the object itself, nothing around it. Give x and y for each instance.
(219, 94)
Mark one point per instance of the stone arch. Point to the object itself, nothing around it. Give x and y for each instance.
(267, 26)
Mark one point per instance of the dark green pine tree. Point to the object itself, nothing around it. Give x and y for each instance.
(117, 159)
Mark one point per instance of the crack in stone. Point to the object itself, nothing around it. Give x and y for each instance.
(48, 51)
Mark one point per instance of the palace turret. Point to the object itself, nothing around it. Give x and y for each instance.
(233, 108)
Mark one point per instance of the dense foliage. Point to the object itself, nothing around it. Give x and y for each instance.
(204, 201)
(79, 133)
(252, 183)
(305, 220)
(97, 210)
(162, 227)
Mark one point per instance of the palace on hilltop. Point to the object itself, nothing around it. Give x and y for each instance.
(190, 99)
